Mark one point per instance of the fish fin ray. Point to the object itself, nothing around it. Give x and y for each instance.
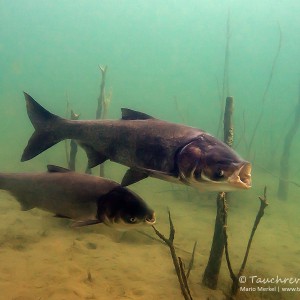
(57, 169)
(129, 114)
(44, 123)
(61, 216)
(85, 223)
(159, 173)
(132, 176)
(95, 158)
(25, 205)
(37, 114)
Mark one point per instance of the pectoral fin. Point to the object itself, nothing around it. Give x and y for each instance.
(95, 158)
(85, 223)
(57, 169)
(25, 205)
(60, 216)
(133, 176)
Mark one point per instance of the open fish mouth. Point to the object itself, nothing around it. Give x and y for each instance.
(151, 220)
(241, 178)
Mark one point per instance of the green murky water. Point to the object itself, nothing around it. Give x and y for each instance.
(165, 58)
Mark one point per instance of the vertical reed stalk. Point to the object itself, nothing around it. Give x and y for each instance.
(283, 185)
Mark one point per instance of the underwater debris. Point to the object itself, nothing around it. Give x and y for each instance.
(260, 117)
(228, 122)
(177, 261)
(283, 184)
(89, 277)
(225, 85)
(101, 98)
(102, 108)
(73, 146)
(235, 278)
(66, 116)
(71, 155)
(162, 242)
(212, 270)
(191, 264)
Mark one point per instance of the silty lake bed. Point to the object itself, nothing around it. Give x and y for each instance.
(43, 258)
(167, 60)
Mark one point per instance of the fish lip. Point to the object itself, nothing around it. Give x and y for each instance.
(241, 178)
(151, 221)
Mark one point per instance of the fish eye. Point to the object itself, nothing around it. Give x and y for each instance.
(132, 219)
(219, 173)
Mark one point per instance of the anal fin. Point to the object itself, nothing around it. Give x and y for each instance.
(133, 176)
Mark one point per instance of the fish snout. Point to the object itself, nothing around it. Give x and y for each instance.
(150, 219)
(242, 176)
(245, 174)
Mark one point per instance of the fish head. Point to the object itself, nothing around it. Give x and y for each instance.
(210, 165)
(124, 210)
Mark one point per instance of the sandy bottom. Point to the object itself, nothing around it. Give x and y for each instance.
(41, 257)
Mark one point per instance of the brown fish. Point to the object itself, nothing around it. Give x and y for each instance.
(86, 199)
(148, 146)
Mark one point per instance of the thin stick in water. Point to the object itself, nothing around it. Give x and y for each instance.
(176, 261)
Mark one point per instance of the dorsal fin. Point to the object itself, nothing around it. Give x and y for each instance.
(129, 114)
(57, 169)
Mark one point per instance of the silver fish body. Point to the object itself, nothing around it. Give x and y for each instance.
(86, 199)
(148, 146)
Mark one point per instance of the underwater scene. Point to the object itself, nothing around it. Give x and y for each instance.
(149, 149)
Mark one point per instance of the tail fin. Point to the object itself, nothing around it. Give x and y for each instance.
(45, 125)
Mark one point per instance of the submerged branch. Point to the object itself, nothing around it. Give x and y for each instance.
(191, 261)
(176, 260)
(162, 242)
(284, 161)
(225, 87)
(67, 115)
(297, 184)
(266, 92)
(212, 270)
(235, 278)
(101, 97)
(73, 146)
